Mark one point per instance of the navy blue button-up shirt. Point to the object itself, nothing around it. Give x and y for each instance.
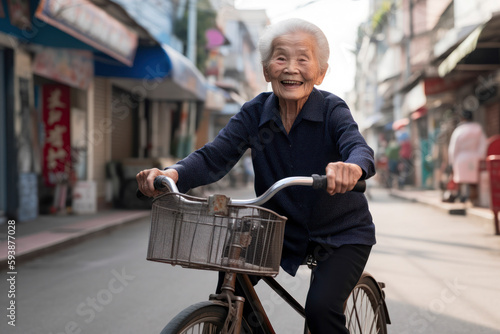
(323, 132)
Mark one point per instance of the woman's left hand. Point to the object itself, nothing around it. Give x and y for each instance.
(342, 177)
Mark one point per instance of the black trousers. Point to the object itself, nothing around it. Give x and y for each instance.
(337, 272)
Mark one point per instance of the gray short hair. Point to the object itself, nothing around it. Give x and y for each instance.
(290, 26)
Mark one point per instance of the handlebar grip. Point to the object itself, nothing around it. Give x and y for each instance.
(360, 187)
(320, 182)
(158, 184)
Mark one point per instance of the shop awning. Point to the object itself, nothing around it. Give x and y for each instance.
(479, 51)
(158, 72)
(466, 47)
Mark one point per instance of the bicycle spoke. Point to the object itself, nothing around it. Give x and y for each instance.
(362, 312)
(203, 328)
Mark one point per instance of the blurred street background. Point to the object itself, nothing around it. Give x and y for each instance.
(93, 91)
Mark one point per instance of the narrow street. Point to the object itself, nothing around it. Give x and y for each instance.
(441, 273)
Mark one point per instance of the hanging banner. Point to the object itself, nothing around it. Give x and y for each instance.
(57, 146)
(92, 25)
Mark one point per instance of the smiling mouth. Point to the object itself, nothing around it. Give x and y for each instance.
(291, 83)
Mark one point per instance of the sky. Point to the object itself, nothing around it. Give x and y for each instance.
(339, 20)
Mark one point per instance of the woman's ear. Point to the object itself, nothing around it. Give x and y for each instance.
(266, 74)
(321, 77)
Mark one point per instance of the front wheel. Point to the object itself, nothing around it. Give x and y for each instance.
(203, 318)
(365, 308)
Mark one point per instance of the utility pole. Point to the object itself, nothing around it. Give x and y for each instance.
(409, 38)
(191, 38)
(191, 55)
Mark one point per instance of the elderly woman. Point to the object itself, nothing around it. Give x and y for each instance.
(298, 130)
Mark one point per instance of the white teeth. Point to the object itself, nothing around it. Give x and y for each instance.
(291, 82)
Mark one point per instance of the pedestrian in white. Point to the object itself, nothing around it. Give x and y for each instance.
(467, 147)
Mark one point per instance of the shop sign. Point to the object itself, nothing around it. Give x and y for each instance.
(92, 25)
(414, 99)
(57, 146)
(72, 67)
(19, 13)
(433, 86)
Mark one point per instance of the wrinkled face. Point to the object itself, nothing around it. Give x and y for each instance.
(294, 69)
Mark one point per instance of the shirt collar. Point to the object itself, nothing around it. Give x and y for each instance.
(311, 111)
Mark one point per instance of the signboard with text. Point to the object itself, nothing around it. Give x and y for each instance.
(92, 25)
(72, 67)
(57, 145)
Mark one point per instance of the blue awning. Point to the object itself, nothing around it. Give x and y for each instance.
(158, 72)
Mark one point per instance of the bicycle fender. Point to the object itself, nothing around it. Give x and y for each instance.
(380, 286)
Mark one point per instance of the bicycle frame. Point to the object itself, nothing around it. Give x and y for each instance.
(227, 297)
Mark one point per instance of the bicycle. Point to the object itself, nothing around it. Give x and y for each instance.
(240, 238)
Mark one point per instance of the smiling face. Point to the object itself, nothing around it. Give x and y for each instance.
(293, 69)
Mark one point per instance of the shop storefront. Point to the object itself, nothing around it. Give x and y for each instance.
(163, 85)
(61, 79)
(50, 151)
(156, 105)
(85, 96)
(8, 157)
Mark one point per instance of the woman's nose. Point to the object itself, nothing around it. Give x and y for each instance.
(291, 67)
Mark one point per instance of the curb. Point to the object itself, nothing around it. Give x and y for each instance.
(451, 208)
(35, 245)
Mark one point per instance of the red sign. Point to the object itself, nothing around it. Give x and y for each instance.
(57, 147)
(434, 86)
(493, 162)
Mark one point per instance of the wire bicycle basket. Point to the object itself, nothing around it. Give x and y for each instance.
(211, 234)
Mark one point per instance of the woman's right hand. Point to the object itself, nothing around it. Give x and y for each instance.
(145, 180)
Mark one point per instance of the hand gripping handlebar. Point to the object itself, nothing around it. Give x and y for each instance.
(316, 181)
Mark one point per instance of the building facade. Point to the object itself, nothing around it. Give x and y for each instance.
(84, 111)
(419, 64)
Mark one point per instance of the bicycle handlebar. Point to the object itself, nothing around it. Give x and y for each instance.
(316, 181)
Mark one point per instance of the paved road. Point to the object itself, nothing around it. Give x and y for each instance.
(442, 274)
(442, 271)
